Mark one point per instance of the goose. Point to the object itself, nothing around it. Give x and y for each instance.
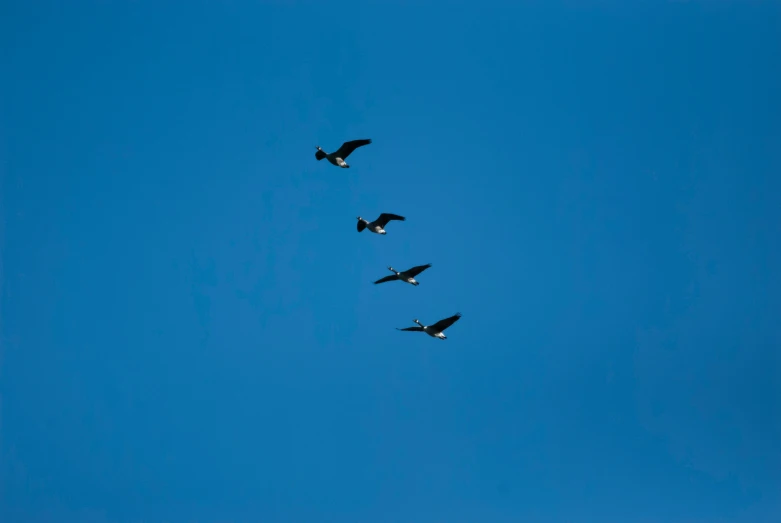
(337, 157)
(436, 330)
(378, 225)
(407, 276)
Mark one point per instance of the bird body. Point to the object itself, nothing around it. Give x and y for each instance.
(405, 276)
(338, 157)
(378, 225)
(436, 330)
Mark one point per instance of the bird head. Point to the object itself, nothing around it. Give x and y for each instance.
(417, 321)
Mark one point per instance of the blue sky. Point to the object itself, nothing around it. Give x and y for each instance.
(188, 328)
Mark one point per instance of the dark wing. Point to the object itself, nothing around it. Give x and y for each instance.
(385, 217)
(417, 270)
(447, 322)
(387, 278)
(361, 225)
(416, 329)
(348, 147)
(320, 155)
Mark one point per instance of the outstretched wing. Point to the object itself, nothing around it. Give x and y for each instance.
(447, 322)
(348, 147)
(387, 278)
(417, 270)
(385, 217)
(416, 329)
(361, 225)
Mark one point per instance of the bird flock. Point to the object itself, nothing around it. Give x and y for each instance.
(377, 226)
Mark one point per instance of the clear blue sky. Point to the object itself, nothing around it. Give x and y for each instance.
(189, 327)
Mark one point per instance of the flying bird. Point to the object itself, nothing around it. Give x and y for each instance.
(436, 330)
(338, 157)
(407, 276)
(378, 225)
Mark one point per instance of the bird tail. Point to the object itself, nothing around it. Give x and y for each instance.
(319, 155)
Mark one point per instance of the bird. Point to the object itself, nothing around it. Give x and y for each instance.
(407, 276)
(436, 330)
(378, 225)
(337, 157)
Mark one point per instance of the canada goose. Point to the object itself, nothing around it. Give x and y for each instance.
(337, 157)
(436, 330)
(407, 276)
(379, 224)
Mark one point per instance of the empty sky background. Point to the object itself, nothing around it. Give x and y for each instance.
(189, 327)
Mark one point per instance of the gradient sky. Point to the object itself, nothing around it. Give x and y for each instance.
(189, 328)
